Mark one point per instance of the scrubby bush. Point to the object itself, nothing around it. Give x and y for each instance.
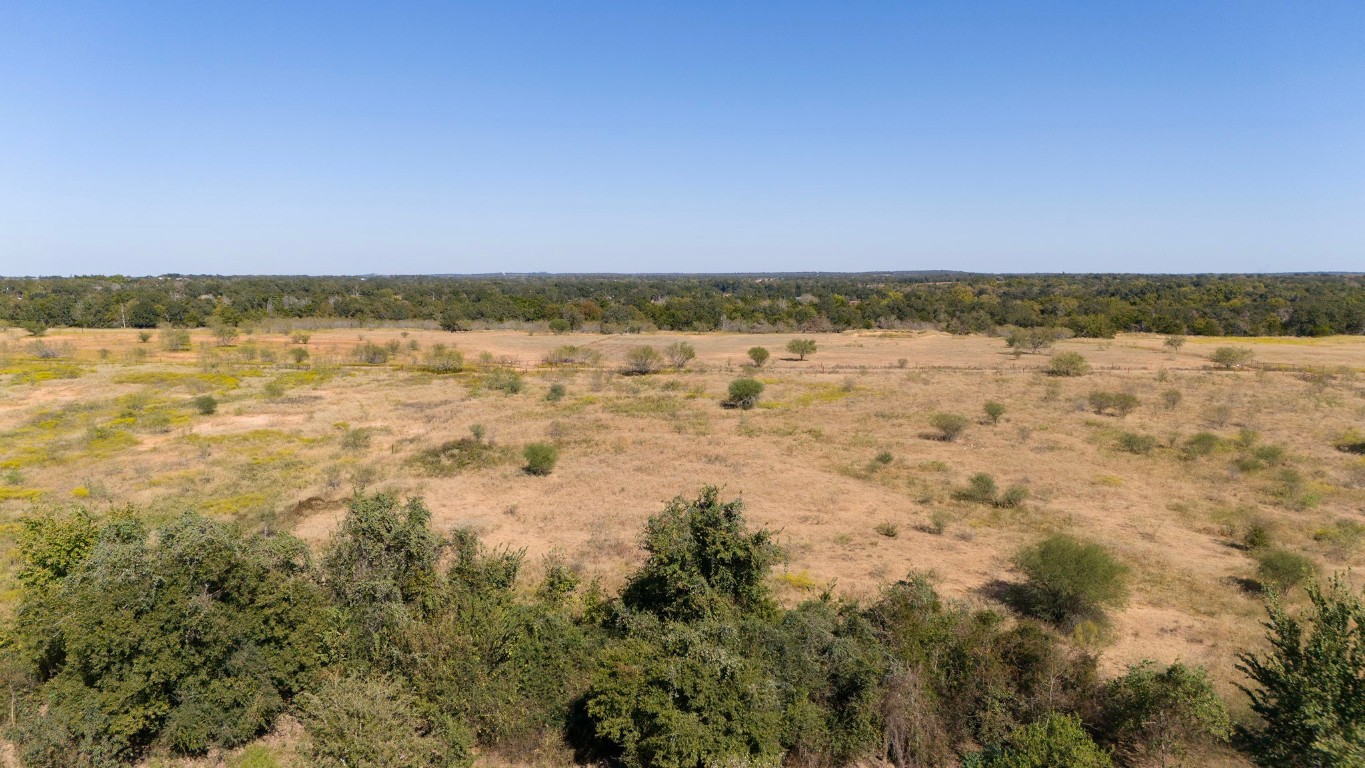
(206, 405)
(994, 411)
(540, 458)
(144, 336)
(175, 339)
(1035, 339)
(1153, 717)
(981, 489)
(463, 454)
(372, 722)
(643, 360)
(1174, 342)
(758, 355)
(226, 334)
(442, 359)
(1068, 364)
(299, 337)
(1350, 441)
(1201, 444)
(802, 348)
(298, 354)
(1308, 688)
(949, 425)
(505, 380)
(1068, 580)
(559, 326)
(1171, 398)
(1120, 403)
(744, 393)
(1056, 741)
(556, 393)
(1228, 358)
(369, 353)
(1280, 570)
(679, 354)
(889, 530)
(571, 354)
(1133, 442)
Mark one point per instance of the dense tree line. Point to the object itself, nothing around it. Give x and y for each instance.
(1088, 305)
(400, 647)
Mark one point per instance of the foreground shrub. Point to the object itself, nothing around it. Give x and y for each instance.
(802, 348)
(371, 722)
(1069, 580)
(540, 458)
(744, 393)
(1152, 717)
(1057, 741)
(504, 380)
(643, 360)
(1308, 688)
(679, 354)
(194, 637)
(994, 411)
(206, 405)
(949, 425)
(758, 355)
(1034, 339)
(1068, 364)
(556, 393)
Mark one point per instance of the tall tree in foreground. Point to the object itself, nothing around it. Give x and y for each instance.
(1309, 687)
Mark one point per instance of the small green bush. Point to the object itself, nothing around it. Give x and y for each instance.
(643, 360)
(949, 425)
(1350, 441)
(559, 325)
(144, 336)
(206, 405)
(1068, 364)
(981, 489)
(1119, 403)
(441, 359)
(375, 723)
(1171, 398)
(1132, 442)
(883, 458)
(175, 339)
(802, 348)
(540, 458)
(1201, 444)
(556, 393)
(744, 393)
(1152, 716)
(889, 530)
(504, 380)
(1068, 580)
(679, 354)
(1056, 741)
(758, 355)
(994, 411)
(1280, 570)
(299, 337)
(1229, 358)
(369, 353)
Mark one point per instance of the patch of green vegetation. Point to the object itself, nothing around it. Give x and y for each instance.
(196, 382)
(647, 406)
(39, 371)
(464, 454)
(20, 494)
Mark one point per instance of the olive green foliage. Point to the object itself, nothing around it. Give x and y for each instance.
(1034, 339)
(1281, 570)
(472, 452)
(1174, 342)
(949, 425)
(1201, 444)
(1117, 403)
(1056, 741)
(1308, 687)
(1153, 716)
(372, 722)
(1068, 580)
(982, 489)
(505, 380)
(744, 393)
(802, 348)
(370, 353)
(175, 339)
(442, 359)
(1068, 364)
(1134, 442)
(1350, 441)
(540, 458)
(994, 411)
(560, 325)
(643, 360)
(206, 405)
(758, 356)
(192, 637)
(1229, 358)
(555, 393)
(52, 546)
(679, 354)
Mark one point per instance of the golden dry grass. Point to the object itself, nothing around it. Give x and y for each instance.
(121, 431)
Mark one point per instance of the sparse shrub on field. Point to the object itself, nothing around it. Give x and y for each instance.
(1200, 444)
(1034, 340)
(1068, 364)
(1069, 580)
(559, 326)
(299, 337)
(1280, 570)
(299, 355)
(1306, 688)
(144, 336)
(175, 339)
(1343, 535)
(556, 393)
(369, 353)
(442, 359)
(982, 489)
(466, 453)
(1294, 491)
(889, 530)
(1258, 534)
(35, 328)
(273, 389)
(1174, 342)
(1153, 717)
(206, 405)
(1133, 442)
(643, 360)
(883, 458)
(540, 458)
(356, 439)
(1229, 358)
(572, 354)
(373, 722)
(994, 411)
(505, 380)
(1119, 403)
(949, 425)
(1260, 457)
(1171, 398)
(679, 354)
(802, 348)
(744, 393)
(226, 334)
(758, 356)
(938, 521)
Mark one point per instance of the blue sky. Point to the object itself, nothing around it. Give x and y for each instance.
(406, 137)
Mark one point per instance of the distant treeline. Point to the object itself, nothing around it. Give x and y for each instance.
(1089, 305)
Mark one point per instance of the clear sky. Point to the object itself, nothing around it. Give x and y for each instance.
(406, 137)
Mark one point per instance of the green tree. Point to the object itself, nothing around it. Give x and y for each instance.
(1068, 364)
(994, 411)
(1309, 687)
(949, 425)
(744, 393)
(1068, 580)
(801, 348)
(1229, 358)
(679, 354)
(758, 355)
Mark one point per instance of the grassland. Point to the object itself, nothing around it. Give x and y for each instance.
(839, 456)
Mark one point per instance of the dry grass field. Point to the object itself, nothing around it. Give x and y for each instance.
(839, 456)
